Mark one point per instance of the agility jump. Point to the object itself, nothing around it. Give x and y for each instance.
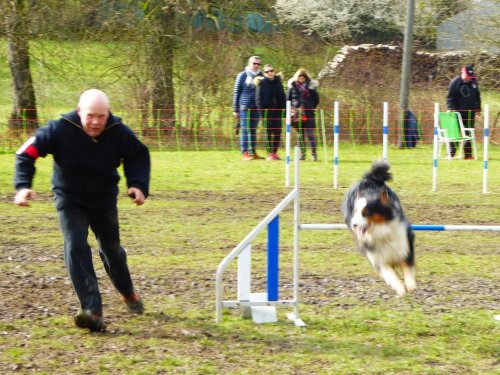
(262, 306)
(385, 143)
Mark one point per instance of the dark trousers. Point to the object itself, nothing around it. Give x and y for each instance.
(75, 222)
(273, 121)
(307, 128)
(468, 119)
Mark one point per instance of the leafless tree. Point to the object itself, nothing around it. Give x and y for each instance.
(24, 110)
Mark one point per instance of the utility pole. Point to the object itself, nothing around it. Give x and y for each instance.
(406, 67)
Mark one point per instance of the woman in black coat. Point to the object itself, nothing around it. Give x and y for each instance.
(271, 101)
(303, 94)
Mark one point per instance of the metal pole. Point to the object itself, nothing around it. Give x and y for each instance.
(419, 227)
(486, 144)
(296, 223)
(435, 149)
(385, 133)
(288, 136)
(336, 127)
(406, 67)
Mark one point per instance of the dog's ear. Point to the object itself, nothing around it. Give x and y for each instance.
(384, 197)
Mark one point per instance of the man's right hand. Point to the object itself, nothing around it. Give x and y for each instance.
(22, 197)
(236, 114)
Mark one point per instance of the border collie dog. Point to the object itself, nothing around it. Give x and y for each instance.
(373, 213)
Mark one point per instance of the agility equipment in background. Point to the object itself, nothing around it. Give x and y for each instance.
(486, 140)
(448, 127)
(451, 130)
(262, 306)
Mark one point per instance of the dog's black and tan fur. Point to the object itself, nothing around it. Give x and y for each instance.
(373, 213)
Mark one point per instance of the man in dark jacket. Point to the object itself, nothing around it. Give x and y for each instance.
(245, 108)
(88, 145)
(464, 97)
(271, 101)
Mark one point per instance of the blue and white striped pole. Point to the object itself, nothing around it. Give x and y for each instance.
(435, 154)
(385, 136)
(288, 137)
(485, 147)
(441, 228)
(336, 127)
(416, 227)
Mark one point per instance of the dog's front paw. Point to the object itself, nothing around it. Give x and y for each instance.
(411, 285)
(400, 291)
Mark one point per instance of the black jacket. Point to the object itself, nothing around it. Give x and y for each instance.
(308, 100)
(463, 95)
(269, 94)
(85, 168)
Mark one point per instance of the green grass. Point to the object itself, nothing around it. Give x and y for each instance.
(62, 70)
(202, 204)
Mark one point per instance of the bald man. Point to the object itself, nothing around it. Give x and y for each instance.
(88, 145)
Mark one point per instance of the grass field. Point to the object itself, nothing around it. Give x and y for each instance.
(202, 204)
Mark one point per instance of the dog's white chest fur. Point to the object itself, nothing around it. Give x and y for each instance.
(384, 243)
(374, 214)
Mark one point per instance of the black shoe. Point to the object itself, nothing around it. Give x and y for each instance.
(315, 157)
(91, 320)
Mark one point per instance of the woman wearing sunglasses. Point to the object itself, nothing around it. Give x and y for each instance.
(271, 101)
(303, 94)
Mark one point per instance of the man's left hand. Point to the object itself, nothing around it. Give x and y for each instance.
(137, 195)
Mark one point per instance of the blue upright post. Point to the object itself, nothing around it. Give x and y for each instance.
(273, 229)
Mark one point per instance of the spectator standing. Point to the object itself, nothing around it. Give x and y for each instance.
(245, 108)
(464, 97)
(271, 101)
(88, 145)
(304, 97)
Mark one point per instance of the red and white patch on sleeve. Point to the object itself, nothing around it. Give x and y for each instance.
(29, 148)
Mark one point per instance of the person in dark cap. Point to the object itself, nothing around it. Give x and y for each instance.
(464, 97)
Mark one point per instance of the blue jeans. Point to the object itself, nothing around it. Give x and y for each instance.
(75, 222)
(249, 119)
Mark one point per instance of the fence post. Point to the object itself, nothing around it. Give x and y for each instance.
(369, 126)
(323, 133)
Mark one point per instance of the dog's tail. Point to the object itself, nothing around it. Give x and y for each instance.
(379, 172)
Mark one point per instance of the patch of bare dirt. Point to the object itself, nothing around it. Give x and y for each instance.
(35, 286)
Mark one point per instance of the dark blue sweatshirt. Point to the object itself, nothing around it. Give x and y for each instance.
(463, 95)
(85, 168)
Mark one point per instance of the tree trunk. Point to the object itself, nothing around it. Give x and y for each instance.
(161, 44)
(24, 111)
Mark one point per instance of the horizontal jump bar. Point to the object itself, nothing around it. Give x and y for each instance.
(439, 228)
(259, 303)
